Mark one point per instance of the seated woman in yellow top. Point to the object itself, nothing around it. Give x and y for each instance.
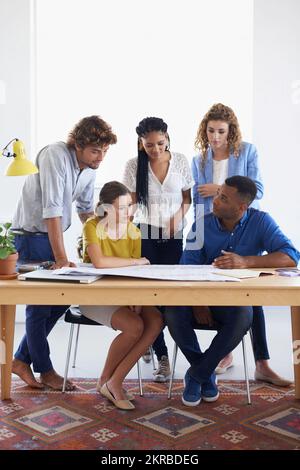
(110, 240)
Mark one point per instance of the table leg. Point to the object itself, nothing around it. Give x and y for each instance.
(7, 330)
(295, 311)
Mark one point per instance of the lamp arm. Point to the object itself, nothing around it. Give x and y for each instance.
(8, 154)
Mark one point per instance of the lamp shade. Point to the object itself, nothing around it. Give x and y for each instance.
(20, 165)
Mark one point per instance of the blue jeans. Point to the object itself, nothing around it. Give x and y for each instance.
(160, 251)
(231, 324)
(40, 319)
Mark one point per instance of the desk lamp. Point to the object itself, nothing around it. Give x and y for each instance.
(21, 165)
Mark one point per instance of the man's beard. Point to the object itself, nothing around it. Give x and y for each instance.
(94, 166)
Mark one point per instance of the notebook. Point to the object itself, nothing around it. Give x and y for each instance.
(48, 275)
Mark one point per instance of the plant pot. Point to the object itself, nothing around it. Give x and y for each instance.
(8, 265)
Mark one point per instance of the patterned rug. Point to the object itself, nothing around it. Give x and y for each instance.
(83, 419)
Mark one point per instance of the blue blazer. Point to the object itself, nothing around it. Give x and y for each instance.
(245, 164)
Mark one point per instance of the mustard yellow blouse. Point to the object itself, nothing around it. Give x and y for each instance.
(129, 246)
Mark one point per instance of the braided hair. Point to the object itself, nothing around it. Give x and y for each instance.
(147, 125)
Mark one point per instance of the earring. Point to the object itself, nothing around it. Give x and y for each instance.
(140, 145)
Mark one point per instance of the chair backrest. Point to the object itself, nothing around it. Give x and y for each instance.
(79, 247)
(74, 315)
(206, 327)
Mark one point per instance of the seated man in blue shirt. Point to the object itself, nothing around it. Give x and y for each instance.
(235, 236)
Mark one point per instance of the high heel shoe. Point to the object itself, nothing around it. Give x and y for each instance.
(121, 404)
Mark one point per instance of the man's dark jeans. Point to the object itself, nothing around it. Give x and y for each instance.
(231, 323)
(40, 319)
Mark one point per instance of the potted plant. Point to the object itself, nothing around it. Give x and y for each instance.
(8, 253)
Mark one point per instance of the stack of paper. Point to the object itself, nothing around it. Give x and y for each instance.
(239, 273)
(163, 272)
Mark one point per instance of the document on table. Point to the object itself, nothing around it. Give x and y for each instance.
(239, 273)
(50, 275)
(155, 271)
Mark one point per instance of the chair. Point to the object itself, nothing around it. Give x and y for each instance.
(175, 351)
(75, 317)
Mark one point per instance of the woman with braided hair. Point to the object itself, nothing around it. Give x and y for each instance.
(160, 182)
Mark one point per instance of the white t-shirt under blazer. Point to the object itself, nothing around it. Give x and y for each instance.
(164, 198)
(220, 173)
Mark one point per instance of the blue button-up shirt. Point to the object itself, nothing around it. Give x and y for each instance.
(255, 233)
(246, 164)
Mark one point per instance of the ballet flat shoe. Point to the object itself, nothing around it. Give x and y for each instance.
(128, 395)
(221, 370)
(280, 382)
(121, 404)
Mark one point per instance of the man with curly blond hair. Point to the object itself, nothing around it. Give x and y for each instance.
(44, 212)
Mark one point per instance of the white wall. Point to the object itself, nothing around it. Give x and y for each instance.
(126, 60)
(276, 79)
(107, 65)
(123, 60)
(276, 110)
(16, 98)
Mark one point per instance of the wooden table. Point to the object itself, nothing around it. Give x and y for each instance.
(267, 290)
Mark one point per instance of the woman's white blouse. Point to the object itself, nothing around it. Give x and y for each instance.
(220, 173)
(164, 198)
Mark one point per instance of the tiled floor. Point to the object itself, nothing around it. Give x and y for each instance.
(94, 343)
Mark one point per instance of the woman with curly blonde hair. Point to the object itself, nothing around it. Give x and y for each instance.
(224, 154)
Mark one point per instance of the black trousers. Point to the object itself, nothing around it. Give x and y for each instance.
(160, 250)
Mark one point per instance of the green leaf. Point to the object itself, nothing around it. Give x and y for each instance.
(3, 253)
(6, 240)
